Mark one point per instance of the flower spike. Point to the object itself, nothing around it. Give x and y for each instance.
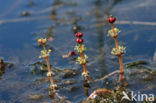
(42, 41)
(80, 48)
(45, 54)
(118, 50)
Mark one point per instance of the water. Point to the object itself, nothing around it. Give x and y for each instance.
(18, 45)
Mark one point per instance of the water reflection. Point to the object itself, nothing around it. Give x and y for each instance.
(86, 87)
(53, 13)
(100, 35)
(51, 94)
(2, 67)
(76, 28)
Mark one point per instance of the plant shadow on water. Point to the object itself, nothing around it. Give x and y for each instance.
(25, 82)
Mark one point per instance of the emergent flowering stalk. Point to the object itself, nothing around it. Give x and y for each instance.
(45, 54)
(118, 50)
(80, 48)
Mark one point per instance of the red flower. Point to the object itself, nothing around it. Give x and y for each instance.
(111, 19)
(79, 40)
(79, 34)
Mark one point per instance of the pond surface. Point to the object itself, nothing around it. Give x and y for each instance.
(23, 21)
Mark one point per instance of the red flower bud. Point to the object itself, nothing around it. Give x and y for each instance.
(72, 53)
(111, 19)
(79, 40)
(41, 41)
(79, 34)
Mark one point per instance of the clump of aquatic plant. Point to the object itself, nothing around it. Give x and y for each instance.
(102, 95)
(118, 50)
(82, 59)
(45, 54)
(3, 66)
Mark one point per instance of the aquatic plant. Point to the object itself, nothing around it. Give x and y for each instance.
(45, 54)
(3, 66)
(99, 91)
(70, 53)
(82, 59)
(103, 95)
(118, 50)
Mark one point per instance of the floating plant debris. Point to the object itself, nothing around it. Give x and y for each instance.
(135, 63)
